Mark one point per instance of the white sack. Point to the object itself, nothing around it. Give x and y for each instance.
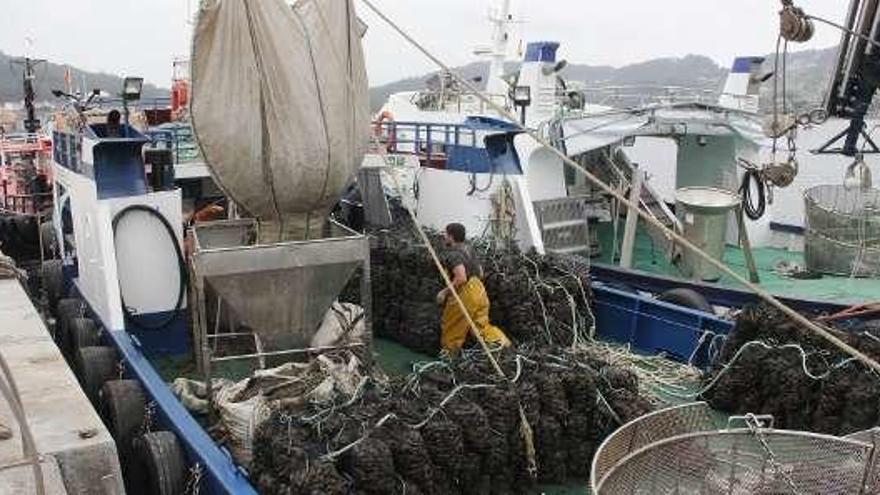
(343, 324)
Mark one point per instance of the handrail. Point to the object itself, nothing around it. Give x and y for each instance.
(24, 143)
(424, 137)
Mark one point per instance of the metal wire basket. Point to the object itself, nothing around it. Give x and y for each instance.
(750, 460)
(842, 231)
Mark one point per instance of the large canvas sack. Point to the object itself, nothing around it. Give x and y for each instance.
(280, 106)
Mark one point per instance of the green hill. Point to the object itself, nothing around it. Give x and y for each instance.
(808, 75)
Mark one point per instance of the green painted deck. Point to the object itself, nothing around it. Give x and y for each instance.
(828, 288)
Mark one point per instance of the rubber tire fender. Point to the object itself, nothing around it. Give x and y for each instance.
(687, 298)
(94, 367)
(122, 407)
(68, 309)
(161, 457)
(52, 276)
(83, 332)
(50, 241)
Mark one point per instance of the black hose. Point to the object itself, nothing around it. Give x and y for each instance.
(752, 210)
(181, 263)
(472, 181)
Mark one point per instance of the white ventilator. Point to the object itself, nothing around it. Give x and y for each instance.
(280, 106)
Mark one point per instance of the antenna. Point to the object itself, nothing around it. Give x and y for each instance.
(28, 46)
(28, 78)
(500, 19)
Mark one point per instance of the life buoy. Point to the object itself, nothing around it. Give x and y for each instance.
(386, 133)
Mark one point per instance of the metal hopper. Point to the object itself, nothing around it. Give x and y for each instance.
(281, 291)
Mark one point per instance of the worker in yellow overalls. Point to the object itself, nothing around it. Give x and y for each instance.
(466, 274)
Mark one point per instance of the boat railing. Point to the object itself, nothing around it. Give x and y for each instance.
(643, 95)
(474, 103)
(179, 138)
(18, 144)
(157, 102)
(25, 204)
(427, 140)
(460, 101)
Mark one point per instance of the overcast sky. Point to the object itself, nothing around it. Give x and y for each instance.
(143, 37)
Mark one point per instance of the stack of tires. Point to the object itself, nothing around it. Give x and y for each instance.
(152, 460)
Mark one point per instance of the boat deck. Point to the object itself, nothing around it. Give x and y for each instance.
(828, 288)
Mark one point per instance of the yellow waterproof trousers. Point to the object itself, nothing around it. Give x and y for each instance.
(455, 325)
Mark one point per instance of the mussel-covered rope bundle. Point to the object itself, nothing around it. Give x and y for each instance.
(770, 365)
(450, 427)
(544, 299)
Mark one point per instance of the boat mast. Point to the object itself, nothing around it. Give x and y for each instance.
(29, 76)
(500, 20)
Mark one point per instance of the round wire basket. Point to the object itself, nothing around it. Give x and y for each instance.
(657, 455)
(842, 231)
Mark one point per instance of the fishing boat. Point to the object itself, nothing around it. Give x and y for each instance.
(679, 145)
(25, 177)
(136, 300)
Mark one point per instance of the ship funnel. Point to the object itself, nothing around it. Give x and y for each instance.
(280, 291)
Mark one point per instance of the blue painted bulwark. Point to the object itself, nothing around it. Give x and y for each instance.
(459, 145)
(654, 327)
(716, 294)
(787, 228)
(542, 51)
(118, 166)
(744, 65)
(221, 474)
(118, 162)
(503, 158)
(171, 341)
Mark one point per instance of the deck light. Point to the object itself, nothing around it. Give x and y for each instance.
(522, 97)
(131, 88)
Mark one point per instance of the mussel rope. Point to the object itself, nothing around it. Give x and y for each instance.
(526, 430)
(130, 316)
